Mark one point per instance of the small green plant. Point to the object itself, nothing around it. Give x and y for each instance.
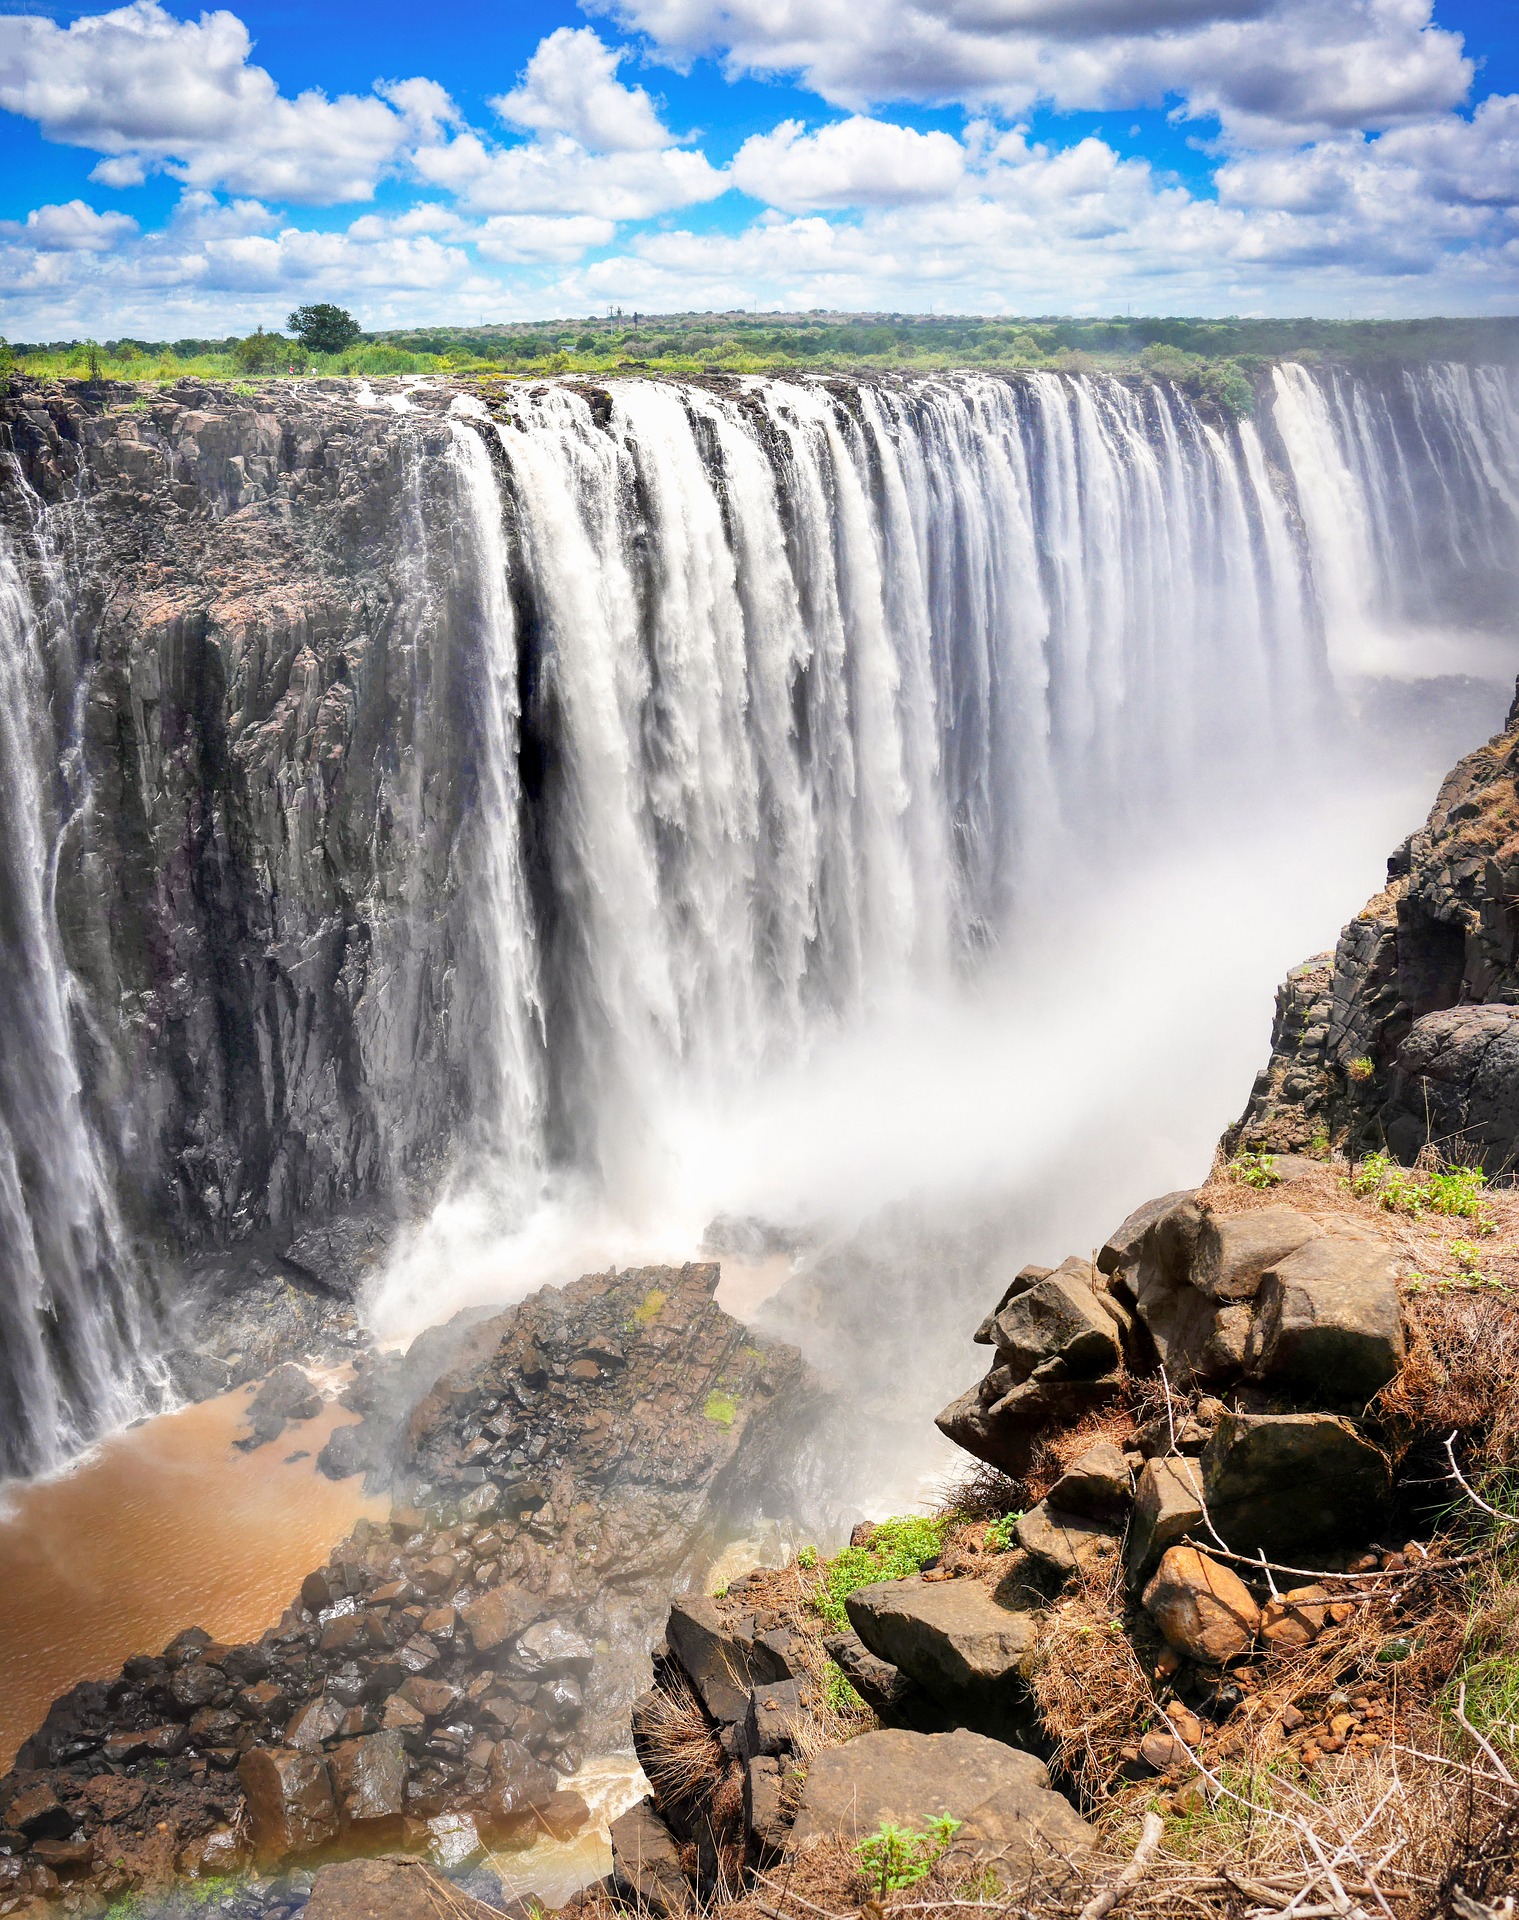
(1255, 1170)
(807, 1557)
(898, 1549)
(1318, 1146)
(1001, 1534)
(897, 1857)
(1458, 1191)
(839, 1695)
(1362, 1069)
(721, 1408)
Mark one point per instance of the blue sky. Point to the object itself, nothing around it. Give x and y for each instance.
(167, 172)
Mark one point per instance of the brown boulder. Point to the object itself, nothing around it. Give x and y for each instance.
(1328, 1320)
(290, 1805)
(1233, 1250)
(646, 1863)
(1205, 1611)
(369, 1777)
(497, 1616)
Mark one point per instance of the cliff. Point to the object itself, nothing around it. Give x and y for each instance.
(1408, 1033)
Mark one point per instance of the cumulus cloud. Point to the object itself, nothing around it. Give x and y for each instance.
(516, 239)
(853, 163)
(1270, 69)
(558, 175)
(74, 227)
(570, 86)
(151, 92)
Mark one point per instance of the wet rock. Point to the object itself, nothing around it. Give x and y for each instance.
(1010, 1815)
(1205, 1612)
(291, 1811)
(390, 1889)
(286, 1395)
(551, 1648)
(497, 1616)
(1294, 1484)
(349, 1450)
(369, 1779)
(646, 1863)
(314, 1724)
(1328, 1320)
(37, 1812)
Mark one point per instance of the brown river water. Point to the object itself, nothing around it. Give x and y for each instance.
(163, 1527)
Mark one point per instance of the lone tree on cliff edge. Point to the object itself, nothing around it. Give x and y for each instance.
(324, 328)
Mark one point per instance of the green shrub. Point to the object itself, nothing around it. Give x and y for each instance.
(1255, 1170)
(897, 1857)
(1001, 1534)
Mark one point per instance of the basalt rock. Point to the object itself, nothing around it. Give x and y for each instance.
(1408, 1032)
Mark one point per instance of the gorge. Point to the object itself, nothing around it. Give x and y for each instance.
(417, 794)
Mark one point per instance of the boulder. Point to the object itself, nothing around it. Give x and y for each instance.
(986, 1334)
(1295, 1618)
(1058, 1318)
(1328, 1320)
(291, 1810)
(1066, 1544)
(1002, 1797)
(953, 1640)
(894, 1699)
(769, 1724)
(1123, 1248)
(764, 1813)
(389, 1889)
(498, 1615)
(1290, 1484)
(1167, 1507)
(1001, 1420)
(1205, 1612)
(1098, 1486)
(312, 1725)
(721, 1655)
(287, 1394)
(1233, 1250)
(646, 1863)
(551, 1648)
(369, 1778)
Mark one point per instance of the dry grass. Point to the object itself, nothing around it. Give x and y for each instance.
(678, 1746)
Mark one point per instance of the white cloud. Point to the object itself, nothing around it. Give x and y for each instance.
(558, 175)
(853, 163)
(73, 227)
(149, 91)
(1271, 69)
(520, 238)
(570, 86)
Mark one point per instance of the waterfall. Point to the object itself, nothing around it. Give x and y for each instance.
(74, 1306)
(788, 712)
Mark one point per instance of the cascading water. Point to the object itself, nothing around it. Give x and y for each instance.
(73, 1306)
(804, 717)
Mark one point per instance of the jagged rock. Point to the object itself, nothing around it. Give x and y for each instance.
(1097, 1486)
(349, 1449)
(1167, 1506)
(1295, 1618)
(369, 1778)
(1122, 1249)
(770, 1721)
(1294, 1483)
(37, 1812)
(290, 1806)
(722, 1660)
(1233, 1250)
(497, 1616)
(986, 1334)
(646, 1863)
(1205, 1612)
(1328, 1320)
(953, 1639)
(894, 1699)
(1058, 1318)
(1002, 1423)
(764, 1813)
(551, 1647)
(1010, 1815)
(1066, 1544)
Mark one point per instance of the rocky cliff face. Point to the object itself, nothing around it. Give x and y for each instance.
(1409, 1031)
(260, 665)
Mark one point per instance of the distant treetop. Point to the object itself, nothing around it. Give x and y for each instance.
(324, 328)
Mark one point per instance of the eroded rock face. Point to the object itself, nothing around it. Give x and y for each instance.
(1407, 1031)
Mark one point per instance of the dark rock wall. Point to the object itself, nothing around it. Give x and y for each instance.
(269, 621)
(1409, 1031)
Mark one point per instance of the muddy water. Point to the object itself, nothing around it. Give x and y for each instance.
(165, 1527)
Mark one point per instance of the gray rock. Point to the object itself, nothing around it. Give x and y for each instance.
(764, 1814)
(1233, 1250)
(1328, 1320)
(286, 1395)
(1066, 1544)
(894, 1699)
(1098, 1485)
(769, 1722)
(722, 1660)
(1009, 1813)
(552, 1647)
(1294, 1484)
(986, 1334)
(646, 1863)
(1058, 1318)
(1167, 1507)
(1122, 1249)
(954, 1640)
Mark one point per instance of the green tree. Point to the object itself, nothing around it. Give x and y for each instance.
(324, 328)
(264, 352)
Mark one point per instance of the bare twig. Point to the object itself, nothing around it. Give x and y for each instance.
(1102, 1904)
(1470, 1491)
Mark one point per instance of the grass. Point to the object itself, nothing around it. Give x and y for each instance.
(1447, 1189)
